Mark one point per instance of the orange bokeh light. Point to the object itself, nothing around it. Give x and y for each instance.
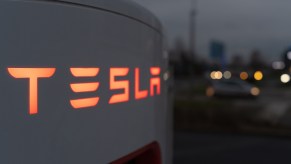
(258, 75)
(244, 75)
(32, 74)
(120, 84)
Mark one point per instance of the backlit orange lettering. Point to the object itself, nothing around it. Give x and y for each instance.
(121, 84)
(84, 72)
(32, 74)
(84, 87)
(139, 94)
(85, 102)
(155, 81)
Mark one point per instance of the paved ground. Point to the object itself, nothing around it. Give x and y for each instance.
(276, 105)
(215, 148)
(227, 148)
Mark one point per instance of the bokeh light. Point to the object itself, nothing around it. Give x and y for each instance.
(258, 75)
(289, 55)
(244, 75)
(278, 65)
(212, 75)
(227, 74)
(255, 91)
(166, 76)
(285, 78)
(210, 92)
(218, 75)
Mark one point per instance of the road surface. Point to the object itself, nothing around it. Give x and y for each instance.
(223, 148)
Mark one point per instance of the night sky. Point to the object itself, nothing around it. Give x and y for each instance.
(243, 25)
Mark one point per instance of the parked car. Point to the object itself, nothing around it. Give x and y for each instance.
(232, 88)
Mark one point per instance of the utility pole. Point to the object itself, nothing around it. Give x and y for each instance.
(192, 28)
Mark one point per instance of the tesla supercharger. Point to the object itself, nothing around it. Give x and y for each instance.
(82, 81)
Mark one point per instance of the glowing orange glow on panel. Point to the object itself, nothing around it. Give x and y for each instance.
(84, 72)
(155, 81)
(120, 84)
(139, 94)
(84, 103)
(32, 74)
(84, 87)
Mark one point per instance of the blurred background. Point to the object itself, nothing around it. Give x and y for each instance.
(231, 66)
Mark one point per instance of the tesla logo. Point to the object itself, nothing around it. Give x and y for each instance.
(118, 81)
